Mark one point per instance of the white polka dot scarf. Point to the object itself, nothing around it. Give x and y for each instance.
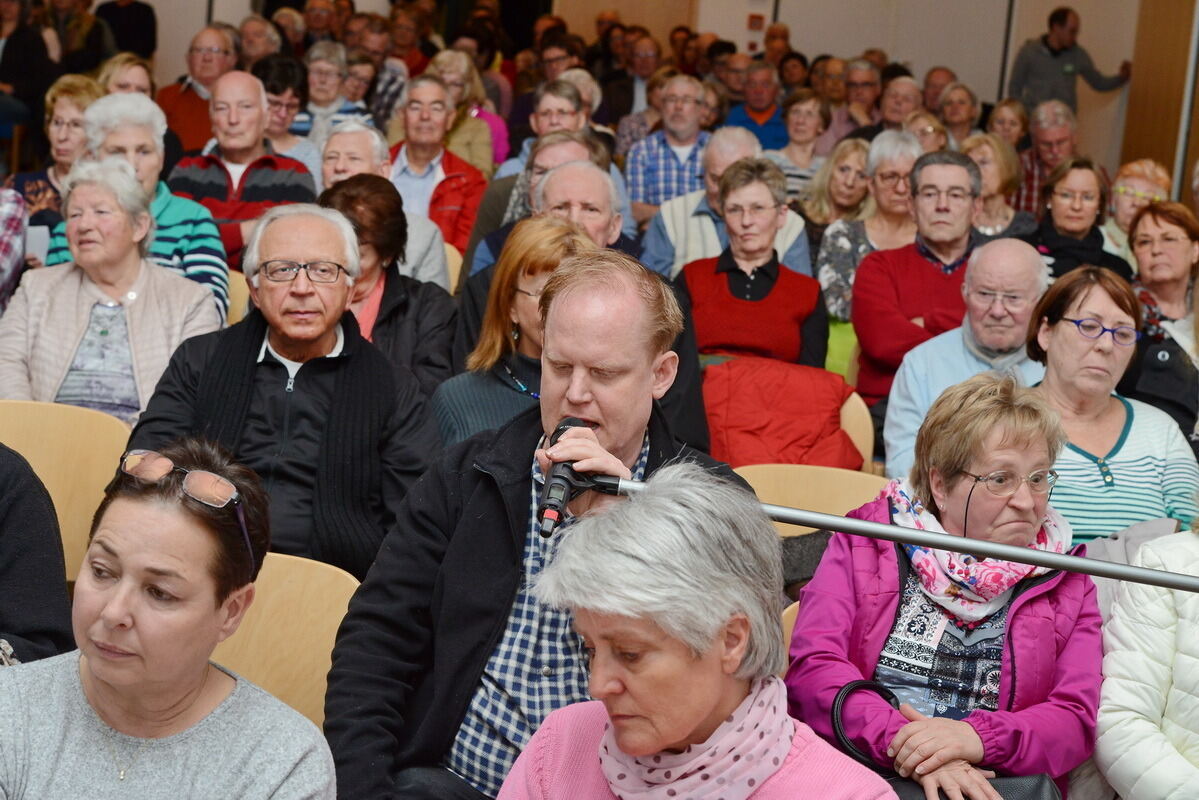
(737, 758)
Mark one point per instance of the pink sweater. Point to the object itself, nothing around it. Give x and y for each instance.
(561, 762)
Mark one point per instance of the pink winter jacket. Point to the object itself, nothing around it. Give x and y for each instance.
(1048, 688)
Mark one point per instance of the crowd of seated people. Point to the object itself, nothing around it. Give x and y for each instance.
(478, 247)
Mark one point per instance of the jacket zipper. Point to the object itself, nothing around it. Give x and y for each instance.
(1021, 589)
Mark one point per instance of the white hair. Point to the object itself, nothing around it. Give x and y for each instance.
(272, 33)
(890, 145)
(587, 86)
(425, 79)
(349, 239)
(586, 166)
(117, 176)
(733, 138)
(333, 52)
(379, 148)
(687, 553)
(118, 110)
(1025, 256)
(1052, 114)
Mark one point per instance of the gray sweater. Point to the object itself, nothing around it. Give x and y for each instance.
(53, 745)
(1038, 75)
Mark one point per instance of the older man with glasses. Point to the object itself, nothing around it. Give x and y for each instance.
(295, 393)
(1004, 280)
(212, 53)
(669, 162)
(760, 114)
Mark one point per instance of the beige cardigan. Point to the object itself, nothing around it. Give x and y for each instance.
(48, 315)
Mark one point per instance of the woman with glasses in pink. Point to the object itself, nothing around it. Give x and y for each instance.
(935, 665)
(1125, 461)
(138, 710)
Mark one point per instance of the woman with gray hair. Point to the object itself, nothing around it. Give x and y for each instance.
(327, 106)
(744, 302)
(131, 126)
(676, 596)
(98, 332)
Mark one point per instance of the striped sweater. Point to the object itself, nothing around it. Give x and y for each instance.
(185, 241)
(1150, 473)
(270, 180)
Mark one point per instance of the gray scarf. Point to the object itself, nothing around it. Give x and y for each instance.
(1000, 362)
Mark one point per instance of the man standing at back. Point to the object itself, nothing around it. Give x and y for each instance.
(445, 665)
(1047, 68)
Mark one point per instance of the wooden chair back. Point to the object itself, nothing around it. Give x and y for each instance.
(239, 298)
(825, 489)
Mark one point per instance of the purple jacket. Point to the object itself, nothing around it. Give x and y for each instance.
(1048, 688)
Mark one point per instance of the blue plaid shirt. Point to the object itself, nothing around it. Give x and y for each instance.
(655, 173)
(537, 667)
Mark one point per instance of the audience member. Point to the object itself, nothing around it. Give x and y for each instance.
(65, 102)
(133, 24)
(503, 370)
(557, 53)
(98, 332)
(393, 72)
(859, 90)
(734, 74)
(793, 72)
(139, 708)
(1054, 139)
(354, 149)
(776, 43)
(419, 720)
(240, 178)
(876, 56)
(35, 621)
(291, 22)
(1127, 462)
(839, 190)
(668, 163)
(633, 128)
(928, 130)
(319, 21)
(1004, 280)
(478, 40)
(327, 106)
(185, 239)
(692, 226)
(1046, 68)
(906, 296)
(709, 625)
(935, 81)
(741, 302)
(13, 228)
(900, 98)
(605, 59)
(1009, 119)
(631, 95)
(760, 113)
(1137, 184)
(806, 117)
(26, 68)
(828, 81)
(1070, 234)
(959, 109)
(889, 224)
(405, 43)
(187, 101)
(286, 83)
(127, 73)
(259, 39)
(85, 38)
(410, 321)
(357, 433)
(954, 609)
(434, 182)
(1000, 169)
(593, 97)
(1165, 241)
(716, 106)
(679, 36)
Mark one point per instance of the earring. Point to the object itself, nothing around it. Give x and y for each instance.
(515, 332)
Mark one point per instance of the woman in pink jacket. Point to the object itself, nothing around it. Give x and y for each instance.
(676, 597)
(996, 663)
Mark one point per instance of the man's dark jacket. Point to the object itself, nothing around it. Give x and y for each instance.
(420, 629)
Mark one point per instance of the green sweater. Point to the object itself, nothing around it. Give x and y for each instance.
(185, 240)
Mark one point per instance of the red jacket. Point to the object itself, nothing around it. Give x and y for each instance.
(455, 201)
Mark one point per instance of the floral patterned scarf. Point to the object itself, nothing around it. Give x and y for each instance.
(966, 587)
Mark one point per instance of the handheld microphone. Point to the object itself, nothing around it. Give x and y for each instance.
(562, 484)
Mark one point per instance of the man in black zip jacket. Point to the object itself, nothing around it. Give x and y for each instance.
(445, 665)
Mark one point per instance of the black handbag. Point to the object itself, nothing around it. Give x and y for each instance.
(1022, 787)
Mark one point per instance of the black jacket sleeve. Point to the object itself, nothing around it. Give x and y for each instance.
(409, 445)
(35, 614)
(171, 410)
(683, 402)
(436, 318)
(813, 333)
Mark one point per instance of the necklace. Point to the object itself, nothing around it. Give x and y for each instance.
(520, 384)
(112, 753)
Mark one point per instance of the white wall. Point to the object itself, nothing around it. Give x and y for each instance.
(967, 36)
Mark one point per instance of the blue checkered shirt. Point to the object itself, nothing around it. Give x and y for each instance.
(537, 667)
(655, 173)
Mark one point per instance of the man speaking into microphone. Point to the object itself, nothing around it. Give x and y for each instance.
(445, 665)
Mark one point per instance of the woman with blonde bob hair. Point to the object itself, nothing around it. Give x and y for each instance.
(941, 634)
(1001, 175)
(675, 595)
(504, 369)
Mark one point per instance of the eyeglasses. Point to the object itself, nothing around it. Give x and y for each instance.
(1004, 483)
(754, 211)
(892, 178)
(200, 485)
(208, 51)
(861, 85)
(276, 105)
(1128, 191)
(682, 100)
(931, 194)
(1093, 329)
(1086, 198)
(325, 73)
(285, 271)
(560, 59)
(549, 114)
(987, 298)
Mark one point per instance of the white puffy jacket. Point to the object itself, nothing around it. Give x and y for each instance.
(1148, 745)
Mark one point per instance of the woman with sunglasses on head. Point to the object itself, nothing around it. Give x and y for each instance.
(139, 710)
(1124, 461)
(946, 634)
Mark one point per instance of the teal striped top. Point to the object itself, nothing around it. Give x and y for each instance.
(186, 240)
(1150, 473)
